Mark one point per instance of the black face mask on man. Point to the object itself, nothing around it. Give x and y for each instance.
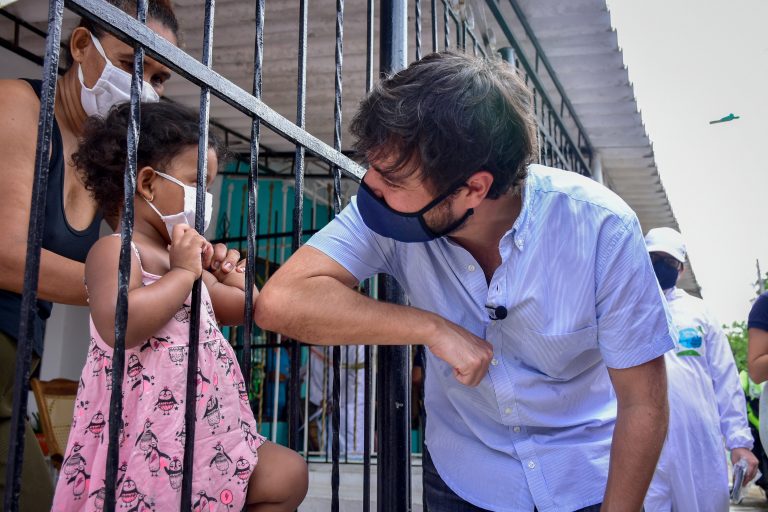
(666, 272)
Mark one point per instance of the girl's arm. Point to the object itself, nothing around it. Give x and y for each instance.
(149, 307)
(228, 294)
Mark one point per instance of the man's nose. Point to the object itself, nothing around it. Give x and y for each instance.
(371, 179)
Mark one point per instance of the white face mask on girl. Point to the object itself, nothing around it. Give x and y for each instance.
(112, 87)
(188, 215)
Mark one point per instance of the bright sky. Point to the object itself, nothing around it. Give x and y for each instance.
(693, 62)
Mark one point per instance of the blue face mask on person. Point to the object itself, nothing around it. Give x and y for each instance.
(666, 273)
(403, 227)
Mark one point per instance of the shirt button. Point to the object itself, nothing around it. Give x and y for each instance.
(471, 268)
(531, 464)
(516, 429)
(508, 410)
(494, 361)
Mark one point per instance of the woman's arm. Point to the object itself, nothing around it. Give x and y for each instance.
(61, 279)
(757, 355)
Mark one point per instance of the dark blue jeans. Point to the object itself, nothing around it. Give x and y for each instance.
(438, 497)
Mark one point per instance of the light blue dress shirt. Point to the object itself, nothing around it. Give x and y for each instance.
(581, 297)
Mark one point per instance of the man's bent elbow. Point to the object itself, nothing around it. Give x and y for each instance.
(270, 308)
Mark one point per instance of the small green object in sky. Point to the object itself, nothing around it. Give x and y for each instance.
(729, 117)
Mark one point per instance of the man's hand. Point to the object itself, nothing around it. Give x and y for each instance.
(221, 261)
(742, 453)
(466, 353)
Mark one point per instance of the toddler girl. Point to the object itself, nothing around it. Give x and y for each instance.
(168, 256)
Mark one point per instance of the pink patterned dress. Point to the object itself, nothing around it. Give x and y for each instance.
(152, 432)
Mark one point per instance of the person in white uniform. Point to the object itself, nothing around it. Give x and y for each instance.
(707, 409)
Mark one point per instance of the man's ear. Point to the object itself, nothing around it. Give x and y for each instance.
(78, 42)
(478, 186)
(145, 183)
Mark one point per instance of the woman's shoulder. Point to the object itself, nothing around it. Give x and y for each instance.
(20, 109)
(19, 96)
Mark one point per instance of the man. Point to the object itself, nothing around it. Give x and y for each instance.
(705, 397)
(529, 286)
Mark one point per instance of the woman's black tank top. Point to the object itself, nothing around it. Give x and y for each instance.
(58, 237)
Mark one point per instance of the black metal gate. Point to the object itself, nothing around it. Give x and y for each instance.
(448, 28)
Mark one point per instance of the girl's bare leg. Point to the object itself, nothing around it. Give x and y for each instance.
(279, 482)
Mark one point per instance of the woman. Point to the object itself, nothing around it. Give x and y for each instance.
(757, 356)
(98, 77)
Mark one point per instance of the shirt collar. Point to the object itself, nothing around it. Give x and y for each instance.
(521, 227)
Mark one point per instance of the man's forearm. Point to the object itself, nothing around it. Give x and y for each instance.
(325, 311)
(637, 442)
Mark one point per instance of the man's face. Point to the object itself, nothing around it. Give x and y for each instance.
(406, 192)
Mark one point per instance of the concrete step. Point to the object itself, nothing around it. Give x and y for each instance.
(350, 488)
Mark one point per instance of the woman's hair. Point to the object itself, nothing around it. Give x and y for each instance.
(166, 129)
(157, 10)
(447, 117)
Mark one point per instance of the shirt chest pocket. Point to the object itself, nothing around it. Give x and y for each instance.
(560, 356)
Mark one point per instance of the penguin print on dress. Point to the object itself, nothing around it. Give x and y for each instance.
(177, 354)
(144, 441)
(213, 413)
(98, 357)
(154, 458)
(143, 504)
(129, 493)
(181, 436)
(121, 434)
(156, 343)
(166, 401)
(250, 438)
(121, 473)
(221, 460)
(242, 470)
(202, 383)
(79, 481)
(184, 314)
(203, 502)
(73, 461)
(96, 426)
(242, 392)
(136, 373)
(175, 472)
(98, 497)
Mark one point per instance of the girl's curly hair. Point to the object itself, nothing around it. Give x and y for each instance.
(166, 129)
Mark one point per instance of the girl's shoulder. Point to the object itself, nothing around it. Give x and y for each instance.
(104, 256)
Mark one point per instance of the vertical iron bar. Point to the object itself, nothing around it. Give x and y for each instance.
(124, 272)
(253, 177)
(417, 4)
(369, 47)
(446, 27)
(336, 403)
(294, 386)
(194, 324)
(434, 25)
(367, 377)
(32, 267)
(394, 475)
(367, 420)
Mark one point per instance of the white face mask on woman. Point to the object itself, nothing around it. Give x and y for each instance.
(112, 87)
(190, 200)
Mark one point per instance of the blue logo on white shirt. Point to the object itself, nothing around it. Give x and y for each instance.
(690, 338)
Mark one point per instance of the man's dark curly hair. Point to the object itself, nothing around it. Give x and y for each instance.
(167, 129)
(449, 116)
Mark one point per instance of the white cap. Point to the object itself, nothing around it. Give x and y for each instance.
(666, 240)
